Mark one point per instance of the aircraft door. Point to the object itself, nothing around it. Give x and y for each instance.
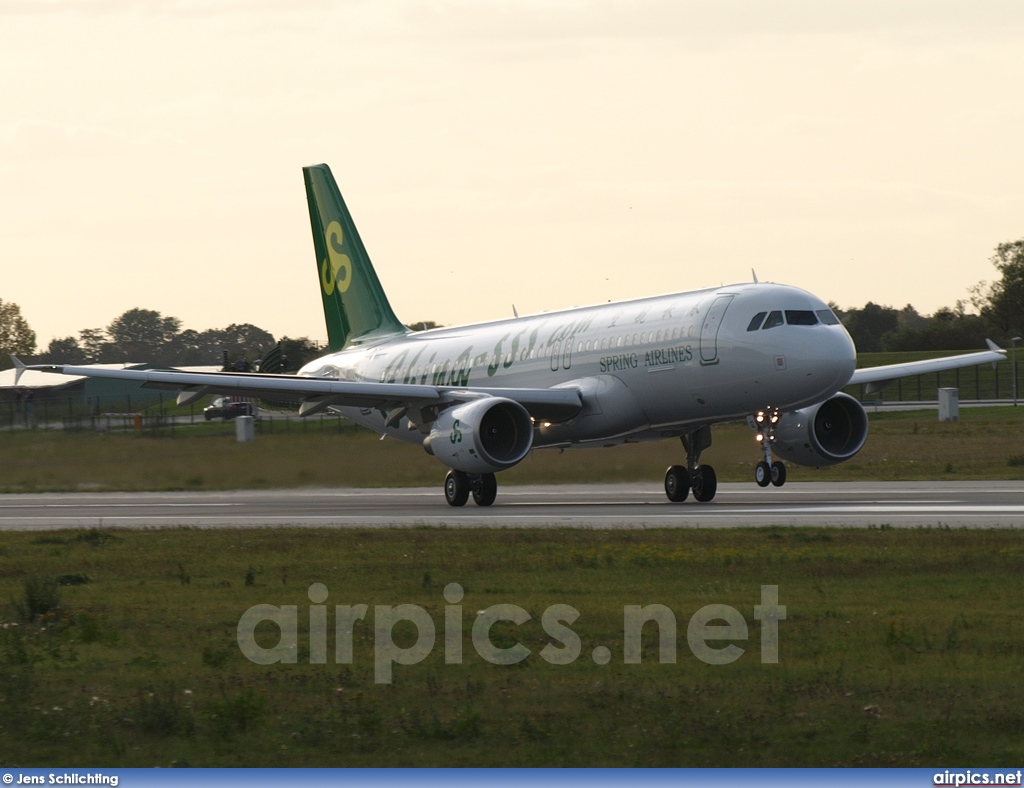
(709, 330)
(567, 358)
(556, 353)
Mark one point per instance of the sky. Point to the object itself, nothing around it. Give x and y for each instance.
(541, 153)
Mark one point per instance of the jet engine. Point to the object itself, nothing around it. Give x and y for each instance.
(825, 434)
(481, 436)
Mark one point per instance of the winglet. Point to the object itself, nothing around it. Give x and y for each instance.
(753, 273)
(19, 367)
(991, 346)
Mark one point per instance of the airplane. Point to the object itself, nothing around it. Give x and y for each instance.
(481, 397)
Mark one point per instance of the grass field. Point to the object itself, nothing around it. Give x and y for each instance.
(987, 443)
(899, 647)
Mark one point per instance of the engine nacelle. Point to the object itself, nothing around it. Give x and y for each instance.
(825, 434)
(482, 436)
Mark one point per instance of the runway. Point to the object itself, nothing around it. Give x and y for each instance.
(967, 504)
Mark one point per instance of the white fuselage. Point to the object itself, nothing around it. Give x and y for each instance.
(650, 368)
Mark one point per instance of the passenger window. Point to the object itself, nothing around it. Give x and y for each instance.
(774, 319)
(827, 316)
(755, 323)
(801, 317)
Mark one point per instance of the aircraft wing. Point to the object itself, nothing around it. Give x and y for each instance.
(316, 394)
(879, 377)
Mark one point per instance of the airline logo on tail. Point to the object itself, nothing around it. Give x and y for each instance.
(336, 270)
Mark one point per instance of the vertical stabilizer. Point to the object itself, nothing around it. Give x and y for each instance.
(354, 302)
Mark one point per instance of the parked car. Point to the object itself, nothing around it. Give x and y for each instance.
(221, 409)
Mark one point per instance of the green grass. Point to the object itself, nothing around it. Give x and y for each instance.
(986, 444)
(900, 648)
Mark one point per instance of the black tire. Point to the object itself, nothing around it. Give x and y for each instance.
(778, 474)
(456, 488)
(486, 490)
(763, 474)
(677, 483)
(705, 483)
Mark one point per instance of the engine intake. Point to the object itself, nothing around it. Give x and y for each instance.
(482, 436)
(825, 434)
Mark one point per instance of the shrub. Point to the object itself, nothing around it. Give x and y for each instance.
(41, 595)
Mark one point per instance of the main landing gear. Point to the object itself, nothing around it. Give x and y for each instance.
(699, 478)
(767, 471)
(458, 486)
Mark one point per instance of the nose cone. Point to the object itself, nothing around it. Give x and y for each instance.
(832, 359)
(820, 361)
(843, 354)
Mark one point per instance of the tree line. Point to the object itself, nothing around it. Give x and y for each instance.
(146, 336)
(994, 310)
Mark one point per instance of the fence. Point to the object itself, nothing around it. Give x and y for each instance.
(164, 417)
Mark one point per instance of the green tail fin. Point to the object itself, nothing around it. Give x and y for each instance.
(354, 302)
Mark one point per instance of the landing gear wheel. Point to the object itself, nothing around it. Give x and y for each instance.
(763, 474)
(677, 483)
(778, 474)
(705, 483)
(456, 488)
(485, 490)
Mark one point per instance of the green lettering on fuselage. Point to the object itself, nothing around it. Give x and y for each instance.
(618, 363)
(661, 357)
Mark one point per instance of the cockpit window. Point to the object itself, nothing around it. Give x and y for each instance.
(774, 319)
(755, 323)
(801, 317)
(828, 317)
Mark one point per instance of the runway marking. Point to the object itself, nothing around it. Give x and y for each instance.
(497, 514)
(111, 505)
(676, 510)
(882, 504)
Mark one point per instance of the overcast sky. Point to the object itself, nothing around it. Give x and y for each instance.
(542, 153)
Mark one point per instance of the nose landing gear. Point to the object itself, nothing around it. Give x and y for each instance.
(768, 471)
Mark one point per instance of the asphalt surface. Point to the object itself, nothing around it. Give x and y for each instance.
(970, 504)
